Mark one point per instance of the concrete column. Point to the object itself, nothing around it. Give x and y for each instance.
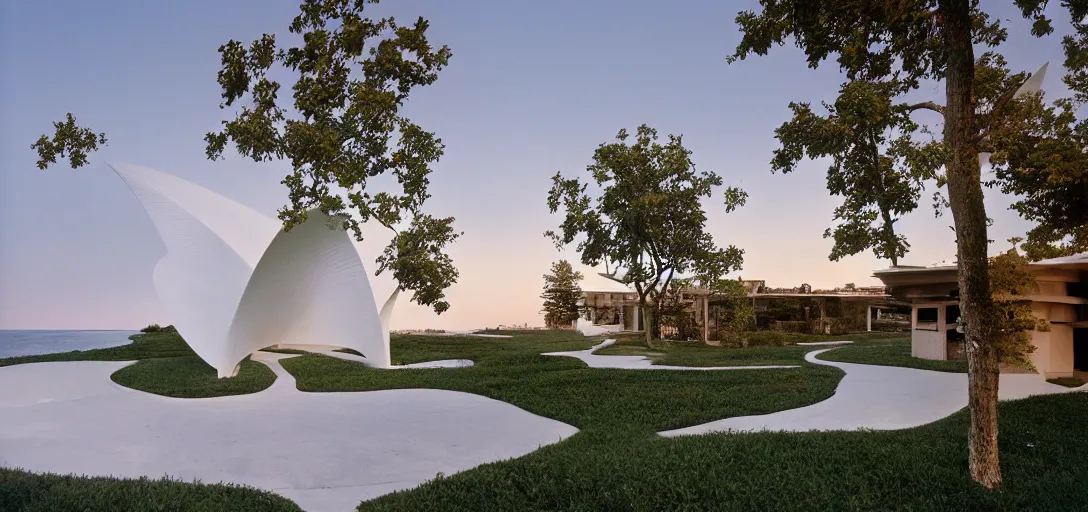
(869, 318)
(634, 319)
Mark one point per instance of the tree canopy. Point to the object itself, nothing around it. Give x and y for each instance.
(68, 140)
(352, 75)
(647, 220)
(562, 295)
(901, 44)
(876, 165)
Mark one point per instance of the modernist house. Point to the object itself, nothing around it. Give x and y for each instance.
(1061, 298)
(607, 302)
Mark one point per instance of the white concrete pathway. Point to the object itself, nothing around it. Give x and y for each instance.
(879, 398)
(325, 451)
(641, 362)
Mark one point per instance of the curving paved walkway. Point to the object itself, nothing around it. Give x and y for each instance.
(641, 362)
(325, 451)
(879, 398)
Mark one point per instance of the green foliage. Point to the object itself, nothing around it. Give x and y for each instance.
(890, 352)
(69, 139)
(876, 166)
(1040, 155)
(349, 351)
(1069, 382)
(143, 346)
(918, 469)
(1011, 321)
(191, 377)
(151, 328)
(648, 219)
(901, 44)
(167, 366)
(29, 492)
(562, 295)
(277, 350)
(735, 314)
(352, 75)
(565, 389)
(674, 310)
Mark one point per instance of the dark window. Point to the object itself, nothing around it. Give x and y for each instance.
(1077, 289)
(951, 313)
(1080, 349)
(927, 315)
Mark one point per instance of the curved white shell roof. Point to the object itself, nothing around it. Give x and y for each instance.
(234, 282)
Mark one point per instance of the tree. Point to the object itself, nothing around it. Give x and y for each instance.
(1043, 160)
(906, 42)
(878, 185)
(562, 295)
(648, 220)
(735, 313)
(69, 139)
(1012, 319)
(674, 310)
(352, 75)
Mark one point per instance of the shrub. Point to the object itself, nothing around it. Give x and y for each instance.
(152, 328)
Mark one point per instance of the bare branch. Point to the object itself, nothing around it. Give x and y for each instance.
(927, 105)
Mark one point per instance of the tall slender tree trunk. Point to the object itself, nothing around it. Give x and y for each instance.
(969, 214)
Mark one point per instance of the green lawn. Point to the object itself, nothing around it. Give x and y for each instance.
(617, 462)
(277, 350)
(777, 349)
(143, 346)
(923, 469)
(191, 377)
(890, 352)
(563, 388)
(166, 366)
(29, 492)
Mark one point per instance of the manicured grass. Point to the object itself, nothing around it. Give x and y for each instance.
(21, 491)
(143, 346)
(349, 351)
(278, 350)
(191, 377)
(1043, 449)
(1069, 382)
(697, 353)
(166, 366)
(891, 352)
(565, 389)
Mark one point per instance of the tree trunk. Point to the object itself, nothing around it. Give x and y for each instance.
(969, 214)
(646, 323)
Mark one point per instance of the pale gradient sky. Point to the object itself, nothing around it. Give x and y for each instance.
(532, 88)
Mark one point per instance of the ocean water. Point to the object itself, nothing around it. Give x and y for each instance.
(24, 343)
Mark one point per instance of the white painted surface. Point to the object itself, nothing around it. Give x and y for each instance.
(642, 362)
(879, 398)
(326, 451)
(309, 287)
(234, 282)
(588, 329)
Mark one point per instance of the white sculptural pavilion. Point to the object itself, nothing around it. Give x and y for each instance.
(234, 282)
